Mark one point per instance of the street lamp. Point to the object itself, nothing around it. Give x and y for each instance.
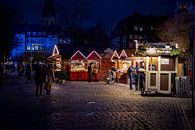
(192, 37)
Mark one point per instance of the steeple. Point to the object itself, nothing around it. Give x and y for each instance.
(48, 13)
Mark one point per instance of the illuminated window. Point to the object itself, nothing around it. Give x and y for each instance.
(39, 34)
(33, 48)
(28, 33)
(28, 48)
(34, 33)
(135, 36)
(36, 48)
(135, 28)
(140, 28)
(141, 37)
(131, 37)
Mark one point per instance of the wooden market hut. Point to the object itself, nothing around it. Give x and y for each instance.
(160, 68)
(78, 66)
(95, 59)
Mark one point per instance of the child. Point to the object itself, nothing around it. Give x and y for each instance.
(118, 75)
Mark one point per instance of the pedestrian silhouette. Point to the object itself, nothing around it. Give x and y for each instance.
(39, 79)
(28, 73)
(48, 79)
(89, 72)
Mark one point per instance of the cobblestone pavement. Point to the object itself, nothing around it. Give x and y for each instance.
(94, 106)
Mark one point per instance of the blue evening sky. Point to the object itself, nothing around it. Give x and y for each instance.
(106, 11)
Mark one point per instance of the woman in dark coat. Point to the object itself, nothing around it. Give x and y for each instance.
(39, 79)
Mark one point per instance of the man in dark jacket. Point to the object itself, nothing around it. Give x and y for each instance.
(89, 72)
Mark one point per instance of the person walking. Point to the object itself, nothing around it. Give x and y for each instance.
(142, 79)
(130, 73)
(39, 79)
(48, 79)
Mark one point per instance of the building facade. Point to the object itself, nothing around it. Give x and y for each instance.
(136, 28)
(40, 37)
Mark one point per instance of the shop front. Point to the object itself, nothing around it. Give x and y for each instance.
(78, 67)
(158, 65)
(95, 60)
(160, 70)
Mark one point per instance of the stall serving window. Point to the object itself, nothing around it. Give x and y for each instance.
(123, 65)
(95, 65)
(153, 64)
(78, 65)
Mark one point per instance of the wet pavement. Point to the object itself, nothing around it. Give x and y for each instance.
(90, 106)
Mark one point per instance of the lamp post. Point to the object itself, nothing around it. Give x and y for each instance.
(192, 37)
(193, 72)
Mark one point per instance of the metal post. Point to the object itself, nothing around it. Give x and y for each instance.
(193, 76)
(193, 83)
(192, 37)
(4, 62)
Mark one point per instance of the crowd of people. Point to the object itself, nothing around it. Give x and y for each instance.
(136, 77)
(44, 75)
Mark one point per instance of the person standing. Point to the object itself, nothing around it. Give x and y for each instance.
(130, 73)
(136, 75)
(141, 82)
(20, 70)
(28, 73)
(142, 79)
(89, 72)
(39, 79)
(118, 75)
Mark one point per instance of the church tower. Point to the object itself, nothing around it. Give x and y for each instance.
(48, 13)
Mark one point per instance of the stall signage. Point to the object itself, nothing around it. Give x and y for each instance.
(165, 61)
(163, 51)
(159, 51)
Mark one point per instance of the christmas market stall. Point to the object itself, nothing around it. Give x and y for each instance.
(106, 62)
(160, 67)
(78, 67)
(95, 60)
(125, 60)
(55, 59)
